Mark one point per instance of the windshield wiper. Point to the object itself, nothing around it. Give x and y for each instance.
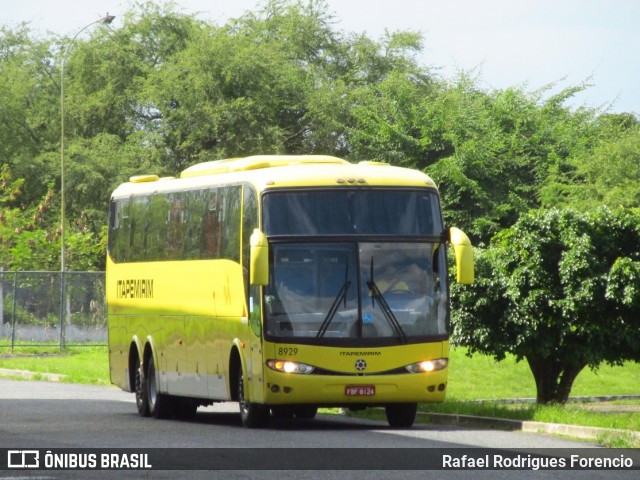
(342, 295)
(384, 306)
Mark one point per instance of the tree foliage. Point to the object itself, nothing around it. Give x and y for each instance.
(29, 238)
(166, 90)
(560, 289)
(606, 174)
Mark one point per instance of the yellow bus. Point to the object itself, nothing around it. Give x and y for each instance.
(283, 283)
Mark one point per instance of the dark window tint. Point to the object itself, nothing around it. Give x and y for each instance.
(185, 225)
(348, 212)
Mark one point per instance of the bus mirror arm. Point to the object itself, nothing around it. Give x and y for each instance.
(464, 256)
(259, 259)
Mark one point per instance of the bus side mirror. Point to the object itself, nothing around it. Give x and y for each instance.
(464, 256)
(259, 263)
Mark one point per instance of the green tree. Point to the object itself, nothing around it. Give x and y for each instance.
(242, 88)
(30, 236)
(164, 90)
(502, 148)
(491, 152)
(606, 174)
(20, 224)
(29, 102)
(560, 289)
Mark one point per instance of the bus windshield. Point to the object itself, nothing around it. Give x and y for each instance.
(356, 293)
(379, 211)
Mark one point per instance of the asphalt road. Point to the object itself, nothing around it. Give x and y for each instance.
(46, 415)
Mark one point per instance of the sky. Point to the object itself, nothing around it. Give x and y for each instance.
(502, 43)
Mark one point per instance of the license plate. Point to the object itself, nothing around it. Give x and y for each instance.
(360, 390)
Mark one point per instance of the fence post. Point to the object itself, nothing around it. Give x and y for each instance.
(62, 310)
(13, 313)
(2, 297)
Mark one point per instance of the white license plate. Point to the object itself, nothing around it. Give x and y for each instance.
(360, 390)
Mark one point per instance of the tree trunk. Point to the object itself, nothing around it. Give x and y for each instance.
(554, 378)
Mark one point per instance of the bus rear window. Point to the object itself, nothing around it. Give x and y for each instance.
(349, 212)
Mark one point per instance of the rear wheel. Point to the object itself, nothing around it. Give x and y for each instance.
(253, 415)
(141, 391)
(401, 415)
(159, 403)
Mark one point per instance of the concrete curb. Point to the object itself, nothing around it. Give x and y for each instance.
(28, 375)
(576, 431)
(590, 399)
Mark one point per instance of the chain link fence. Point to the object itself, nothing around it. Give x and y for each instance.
(52, 308)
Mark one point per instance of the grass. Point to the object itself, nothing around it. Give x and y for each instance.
(89, 365)
(481, 377)
(571, 414)
(470, 379)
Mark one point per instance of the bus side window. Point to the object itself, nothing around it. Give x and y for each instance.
(210, 225)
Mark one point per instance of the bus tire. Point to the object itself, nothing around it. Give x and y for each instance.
(159, 403)
(252, 415)
(401, 415)
(140, 389)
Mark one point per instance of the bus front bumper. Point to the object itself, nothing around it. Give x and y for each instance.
(345, 390)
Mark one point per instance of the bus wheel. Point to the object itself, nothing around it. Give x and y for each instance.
(159, 404)
(401, 415)
(306, 411)
(253, 415)
(141, 391)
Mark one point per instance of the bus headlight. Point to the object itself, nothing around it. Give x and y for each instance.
(428, 366)
(287, 366)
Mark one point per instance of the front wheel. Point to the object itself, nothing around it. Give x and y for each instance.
(253, 415)
(401, 415)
